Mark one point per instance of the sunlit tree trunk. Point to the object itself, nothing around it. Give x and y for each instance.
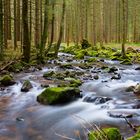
(61, 29)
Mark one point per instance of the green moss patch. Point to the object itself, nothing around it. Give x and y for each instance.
(107, 133)
(7, 80)
(58, 95)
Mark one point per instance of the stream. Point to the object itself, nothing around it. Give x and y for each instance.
(23, 118)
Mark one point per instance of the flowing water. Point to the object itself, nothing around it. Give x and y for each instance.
(23, 118)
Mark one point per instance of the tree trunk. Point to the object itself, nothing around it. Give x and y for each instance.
(45, 31)
(52, 28)
(26, 40)
(61, 29)
(1, 29)
(124, 28)
(15, 25)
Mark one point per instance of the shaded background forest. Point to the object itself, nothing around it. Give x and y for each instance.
(37, 24)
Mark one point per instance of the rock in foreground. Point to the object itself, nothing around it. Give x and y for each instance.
(58, 95)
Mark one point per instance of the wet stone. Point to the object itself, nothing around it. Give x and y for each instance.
(116, 77)
(138, 68)
(117, 114)
(96, 100)
(113, 69)
(20, 119)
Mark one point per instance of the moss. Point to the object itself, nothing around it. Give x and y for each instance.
(80, 54)
(17, 67)
(7, 80)
(73, 82)
(66, 66)
(26, 86)
(92, 60)
(110, 133)
(126, 62)
(58, 95)
(48, 74)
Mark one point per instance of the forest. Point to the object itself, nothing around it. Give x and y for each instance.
(69, 69)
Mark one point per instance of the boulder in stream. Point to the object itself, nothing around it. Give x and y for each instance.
(137, 68)
(7, 80)
(113, 69)
(106, 133)
(58, 95)
(96, 100)
(48, 74)
(26, 86)
(130, 89)
(120, 114)
(116, 77)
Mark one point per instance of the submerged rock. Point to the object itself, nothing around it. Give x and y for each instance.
(130, 89)
(106, 133)
(119, 114)
(58, 95)
(19, 119)
(96, 77)
(96, 100)
(66, 66)
(7, 80)
(26, 86)
(138, 68)
(113, 69)
(116, 77)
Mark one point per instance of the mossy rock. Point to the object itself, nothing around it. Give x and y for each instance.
(66, 66)
(48, 74)
(136, 136)
(107, 133)
(85, 44)
(92, 60)
(126, 62)
(74, 82)
(58, 95)
(7, 80)
(17, 67)
(79, 56)
(26, 86)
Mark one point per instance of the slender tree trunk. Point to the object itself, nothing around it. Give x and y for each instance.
(1, 29)
(45, 31)
(26, 39)
(18, 21)
(124, 28)
(94, 22)
(9, 19)
(15, 25)
(5, 24)
(52, 28)
(101, 23)
(37, 23)
(61, 29)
